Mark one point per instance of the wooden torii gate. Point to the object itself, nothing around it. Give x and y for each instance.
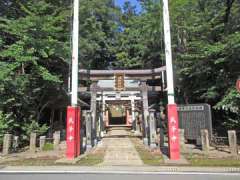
(141, 76)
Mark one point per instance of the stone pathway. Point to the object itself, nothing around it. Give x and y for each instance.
(120, 150)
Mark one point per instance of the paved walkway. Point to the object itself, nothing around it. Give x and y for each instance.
(119, 149)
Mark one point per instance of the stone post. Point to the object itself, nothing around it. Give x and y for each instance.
(83, 132)
(56, 140)
(61, 119)
(106, 118)
(144, 90)
(15, 143)
(82, 141)
(141, 126)
(103, 115)
(101, 123)
(89, 137)
(205, 140)
(152, 128)
(128, 118)
(133, 115)
(134, 123)
(93, 89)
(182, 139)
(83, 118)
(33, 141)
(137, 123)
(42, 142)
(7, 142)
(232, 139)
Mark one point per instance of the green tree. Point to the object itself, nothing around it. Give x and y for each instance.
(98, 27)
(206, 46)
(34, 52)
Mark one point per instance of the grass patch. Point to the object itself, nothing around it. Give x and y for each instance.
(90, 160)
(93, 158)
(43, 161)
(48, 147)
(201, 161)
(148, 157)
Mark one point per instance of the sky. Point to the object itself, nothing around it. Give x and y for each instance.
(134, 2)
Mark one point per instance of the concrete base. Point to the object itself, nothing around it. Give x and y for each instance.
(95, 141)
(99, 144)
(199, 141)
(145, 141)
(153, 146)
(181, 161)
(84, 142)
(67, 161)
(102, 134)
(137, 133)
(89, 147)
(70, 161)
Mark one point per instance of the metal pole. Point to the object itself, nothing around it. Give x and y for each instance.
(168, 53)
(74, 96)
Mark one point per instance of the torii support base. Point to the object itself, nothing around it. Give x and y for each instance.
(73, 132)
(173, 133)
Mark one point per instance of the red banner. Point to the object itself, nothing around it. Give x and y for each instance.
(173, 133)
(73, 132)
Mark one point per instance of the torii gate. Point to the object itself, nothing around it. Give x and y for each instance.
(73, 111)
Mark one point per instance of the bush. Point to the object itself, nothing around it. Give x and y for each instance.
(35, 127)
(6, 125)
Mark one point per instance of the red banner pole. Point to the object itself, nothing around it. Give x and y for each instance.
(173, 143)
(73, 132)
(173, 134)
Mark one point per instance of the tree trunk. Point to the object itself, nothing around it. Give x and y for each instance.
(229, 4)
(51, 122)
